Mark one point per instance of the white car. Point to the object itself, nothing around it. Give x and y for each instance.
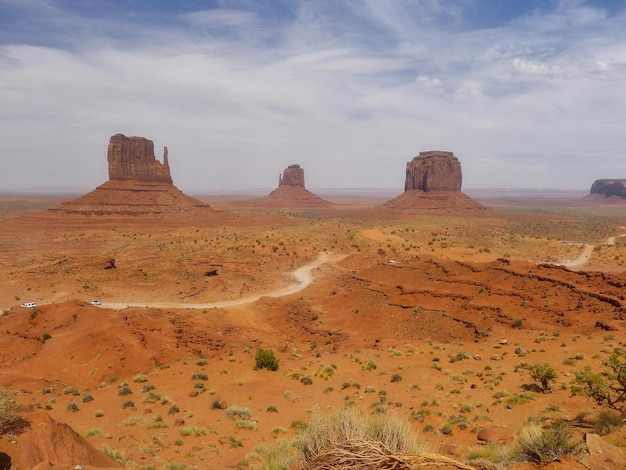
(29, 305)
(95, 303)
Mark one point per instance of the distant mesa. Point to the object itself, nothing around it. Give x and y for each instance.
(139, 186)
(290, 192)
(608, 188)
(433, 183)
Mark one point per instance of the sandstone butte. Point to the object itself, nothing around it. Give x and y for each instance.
(139, 186)
(433, 183)
(291, 192)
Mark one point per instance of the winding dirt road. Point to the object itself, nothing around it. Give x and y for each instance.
(303, 277)
(583, 258)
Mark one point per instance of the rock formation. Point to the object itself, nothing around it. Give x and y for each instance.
(290, 192)
(43, 442)
(433, 183)
(433, 171)
(132, 158)
(609, 188)
(292, 176)
(139, 186)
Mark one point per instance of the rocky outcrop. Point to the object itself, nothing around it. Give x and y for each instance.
(433, 171)
(43, 442)
(292, 176)
(132, 158)
(139, 186)
(433, 183)
(290, 193)
(609, 188)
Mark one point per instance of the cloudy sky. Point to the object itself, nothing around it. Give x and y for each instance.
(526, 93)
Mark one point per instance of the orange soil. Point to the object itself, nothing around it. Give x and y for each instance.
(451, 309)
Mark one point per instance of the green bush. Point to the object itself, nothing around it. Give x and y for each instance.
(8, 408)
(607, 422)
(534, 444)
(266, 359)
(124, 390)
(544, 374)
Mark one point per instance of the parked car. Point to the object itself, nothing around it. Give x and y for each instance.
(29, 305)
(96, 303)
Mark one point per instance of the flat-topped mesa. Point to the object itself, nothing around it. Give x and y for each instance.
(292, 176)
(433, 183)
(433, 171)
(132, 158)
(609, 187)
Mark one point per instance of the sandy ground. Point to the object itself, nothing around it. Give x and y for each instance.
(435, 318)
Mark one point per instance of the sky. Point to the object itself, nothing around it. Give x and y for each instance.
(526, 93)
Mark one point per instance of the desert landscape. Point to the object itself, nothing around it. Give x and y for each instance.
(143, 348)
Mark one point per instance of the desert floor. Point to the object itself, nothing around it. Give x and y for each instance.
(435, 317)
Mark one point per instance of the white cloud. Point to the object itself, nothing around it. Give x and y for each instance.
(350, 97)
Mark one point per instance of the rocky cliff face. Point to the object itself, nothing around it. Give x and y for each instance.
(433, 171)
(292, 176)
(132, 158)
(608, 188)
(433, 183)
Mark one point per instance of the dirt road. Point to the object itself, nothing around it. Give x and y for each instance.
(303, 277)
(583, 258)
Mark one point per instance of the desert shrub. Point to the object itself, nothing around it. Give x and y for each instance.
(306, 380)
(192, 431)
(128, 404)
(173, 409)
(46, 336)
(148, 387)
(71, 391)
(369, 365)
(272, 409)
(277, 457)
(233, 410)
(396, 378)
(544, 374)
(246, 424)
(94, 432)
(459, 356)
(124, 390)
(8, 408)
(72, 407)
(140, 378)
(200, 376)
(608, 387)
(266, 359)
(87, 397)
(174, 466)
(115, 454)
(348, 439)
(521, 398)
(299, 425)
(534, 444)
(607, 422)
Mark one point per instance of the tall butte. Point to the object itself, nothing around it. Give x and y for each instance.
(139, 186)
(290, 192)
(433, 183)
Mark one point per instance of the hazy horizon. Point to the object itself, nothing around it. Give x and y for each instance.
(526, 94)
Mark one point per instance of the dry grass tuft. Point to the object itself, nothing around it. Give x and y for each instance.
(353, 440)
